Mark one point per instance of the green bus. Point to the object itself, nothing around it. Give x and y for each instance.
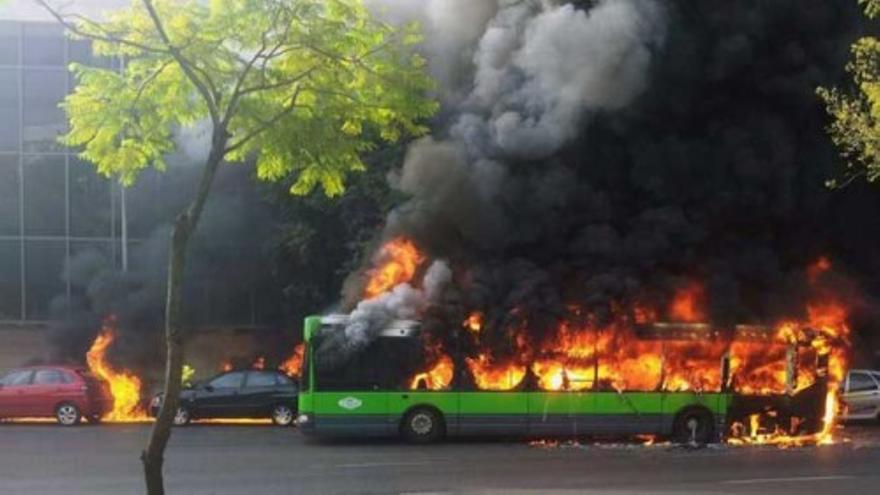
(371, 395)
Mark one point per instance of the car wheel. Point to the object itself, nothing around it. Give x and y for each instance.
(68, 414)
(423, 425)
(693, 426)
(182, 417)
(283, 415)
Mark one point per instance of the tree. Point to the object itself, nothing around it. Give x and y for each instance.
(855, 126)
(297, 85)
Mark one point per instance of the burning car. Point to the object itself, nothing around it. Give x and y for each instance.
(66, 393)
(237, 394)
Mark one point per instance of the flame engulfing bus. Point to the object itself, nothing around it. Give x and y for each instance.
(397, 384)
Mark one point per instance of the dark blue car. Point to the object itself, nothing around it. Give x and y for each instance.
(238, 394)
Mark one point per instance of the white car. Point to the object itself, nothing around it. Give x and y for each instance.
(861, 394)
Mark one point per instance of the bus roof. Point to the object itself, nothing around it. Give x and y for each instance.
(394, 328)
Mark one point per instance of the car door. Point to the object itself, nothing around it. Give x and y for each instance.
(220, 397)
(13, 393)
(258, 394)
(862, 396)
(46, 390)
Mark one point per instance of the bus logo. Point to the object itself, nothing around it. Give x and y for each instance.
(350, 403)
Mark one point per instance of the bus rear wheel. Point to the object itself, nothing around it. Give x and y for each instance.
(423, 425)
(693, 426)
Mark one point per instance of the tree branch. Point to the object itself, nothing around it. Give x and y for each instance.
(265, 125)
(107, 37)
(280, 84)
(187, 66)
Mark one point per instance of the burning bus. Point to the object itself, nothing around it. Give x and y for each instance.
(413, 359)
(687, 381)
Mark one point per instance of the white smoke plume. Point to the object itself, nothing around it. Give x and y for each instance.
(540, 69)
(371, 316)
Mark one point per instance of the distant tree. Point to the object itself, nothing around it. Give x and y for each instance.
(299, 85)
(320, 240)
(855, 128)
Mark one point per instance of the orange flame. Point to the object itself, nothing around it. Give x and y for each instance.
(583, 354)
(226, 366)
(474, 322)
(492, 376)
(686, 305)
(124, 386)
(259, 363)
(397, 263)
(439, 377)
(293, 364)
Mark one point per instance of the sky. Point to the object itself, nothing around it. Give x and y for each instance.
(30, 10)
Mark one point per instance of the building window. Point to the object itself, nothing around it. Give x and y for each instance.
(10, 281)
(43, 44)
(9, 118)
(9, 198)
(43, 119)
(44, 271)
(44, 195)
(9, 42)
(90, 207)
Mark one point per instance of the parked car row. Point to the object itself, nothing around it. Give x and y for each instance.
(71, 394)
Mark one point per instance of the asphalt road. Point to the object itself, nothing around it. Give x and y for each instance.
(209, 459)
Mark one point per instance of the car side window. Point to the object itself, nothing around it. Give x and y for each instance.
(283, 379)
(260, 379)
(861, 382)
(229, 380)
(48, 377)
(17, 378)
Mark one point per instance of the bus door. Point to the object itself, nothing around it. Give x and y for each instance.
(351, 399)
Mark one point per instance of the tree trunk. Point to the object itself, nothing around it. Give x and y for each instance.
(153, 456)
(175, 335)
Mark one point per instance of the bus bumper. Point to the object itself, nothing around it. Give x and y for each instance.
(305, 423)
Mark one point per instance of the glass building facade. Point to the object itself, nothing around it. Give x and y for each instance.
(54, 206)
(51, 204)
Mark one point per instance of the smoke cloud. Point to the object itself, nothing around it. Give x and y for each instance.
(371, 316)
(600, 153)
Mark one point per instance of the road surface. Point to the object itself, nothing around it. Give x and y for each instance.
(210, 459)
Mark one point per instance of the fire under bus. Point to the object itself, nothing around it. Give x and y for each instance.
(383, 390)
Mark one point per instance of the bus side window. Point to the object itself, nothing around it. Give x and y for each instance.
(403, 358)
(364, 371)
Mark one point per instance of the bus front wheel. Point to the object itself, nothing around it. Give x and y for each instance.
(423, 425)
(693, 426)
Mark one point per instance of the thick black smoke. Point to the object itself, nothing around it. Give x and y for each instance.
(610, 152)
(228, 283)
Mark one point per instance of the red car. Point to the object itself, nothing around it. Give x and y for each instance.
(66, 393)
